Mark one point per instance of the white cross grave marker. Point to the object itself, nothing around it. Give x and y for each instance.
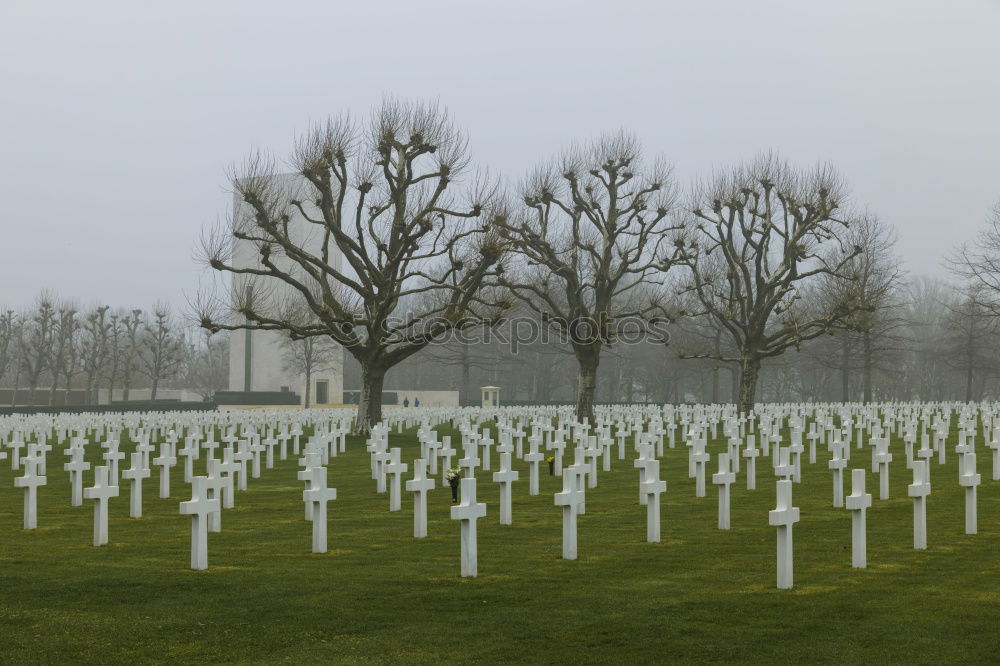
(858, 502)
(100, 492)
(783, 516)
(468, 512)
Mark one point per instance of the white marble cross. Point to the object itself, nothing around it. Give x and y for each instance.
(858, 502)
(112, 456)
(308, 461)
(784, 469)
(200, 507)
(242, 456)
(395, 469)
(838, 464)
(419, 485)
(652, 488)
(645, 455)
(446, 454)
(534, 458)
(135, 475)
(470, 462)
(994, 444)
(724, 478)
(30, 482)
(486, 442)
(505, 477)
(215, 482)
(165, 461)
(750, 453)
(76, 467)
(228, 467)
(969, 480)
(100, 492)
(468, 512)
(919, 490)
(318, 495)
(188, 453)
(882, 459)
(700, 458)
(569, 499)
(784, 516)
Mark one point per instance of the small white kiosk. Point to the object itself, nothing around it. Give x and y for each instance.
(491, 396)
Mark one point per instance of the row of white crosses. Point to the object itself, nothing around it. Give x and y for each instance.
(210, 494)
(647, 428)
(786, 464)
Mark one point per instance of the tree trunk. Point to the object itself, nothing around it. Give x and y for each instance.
(465, 396)
(308, 385)
(845, 369)
(111, 384)
(588, 359)
(17, 385)
(968, 382)
(716, 366)
(867, 351)
(370, 403)
(749, 370)
(152, 393)
(715, 383)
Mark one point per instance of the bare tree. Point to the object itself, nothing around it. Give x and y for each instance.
(969, 344)
(208, 364)
(591, 234)
(95, 347)
(160, 348)
(756, 236)
(9, 324)
(62, 352)
(979, 264)
(131, 343)
(35, 344)
(872, 281)
(384, 202)
(307, 356)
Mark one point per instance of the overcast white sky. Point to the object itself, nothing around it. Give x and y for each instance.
(118, 120)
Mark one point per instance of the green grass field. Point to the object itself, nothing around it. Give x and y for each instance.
(381, 596)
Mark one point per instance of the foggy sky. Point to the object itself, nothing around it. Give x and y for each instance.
(118, 120)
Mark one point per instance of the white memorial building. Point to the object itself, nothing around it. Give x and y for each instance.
(256, 358)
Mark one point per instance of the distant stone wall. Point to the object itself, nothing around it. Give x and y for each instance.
(426, 398)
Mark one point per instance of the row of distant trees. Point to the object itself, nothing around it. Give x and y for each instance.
(755, 263)
(55, 346)
(935, 342)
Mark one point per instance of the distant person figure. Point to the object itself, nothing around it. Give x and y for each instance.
(416, 402)
(406, 402)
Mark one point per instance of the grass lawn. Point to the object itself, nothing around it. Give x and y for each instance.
(381, 596)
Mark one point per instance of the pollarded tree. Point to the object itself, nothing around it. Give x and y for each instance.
(130, 342)
(34, 347)
(160, 348)
(63, 352)
(392, 225)
(9, 325)
(94, 347)
(591, 234)
(756, 236)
